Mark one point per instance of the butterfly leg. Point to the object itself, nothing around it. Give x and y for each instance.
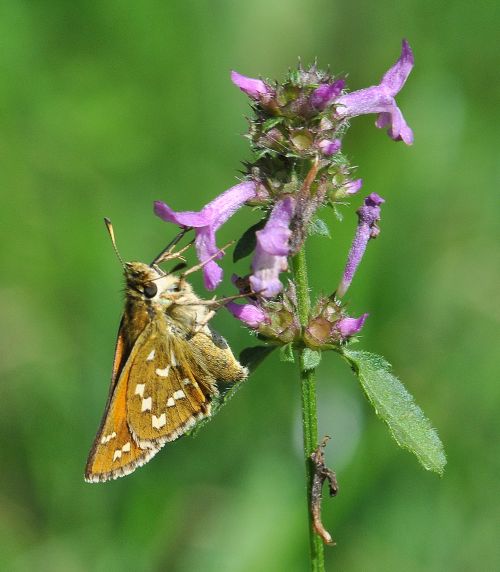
(168, 254)
(213, 257)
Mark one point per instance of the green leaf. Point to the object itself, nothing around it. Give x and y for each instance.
(254, 356)
(318, 226)
(246, 244)
(270, 123)
(310, 358)
(286, 353)
(249, 357)
(226, 392)
(338, 215)
(392, 402)
(261, 153)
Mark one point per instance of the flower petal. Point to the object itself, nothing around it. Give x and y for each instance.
(369, 215)
(330, 146)
(399, 129)
(249, 314)
(380, 99)
(325, 94)
(254, 88)
(226, 204)
(206, 222)
(350, 326)
(395, 78)
(186, 218)
(369, 100)
(352, 187)
(266, 270)
(272, 249)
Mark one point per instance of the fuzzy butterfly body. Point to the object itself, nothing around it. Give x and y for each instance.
(166, 372)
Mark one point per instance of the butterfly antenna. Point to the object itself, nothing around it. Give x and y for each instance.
(111, 232)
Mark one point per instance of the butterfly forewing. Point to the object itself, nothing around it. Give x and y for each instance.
(115, 452)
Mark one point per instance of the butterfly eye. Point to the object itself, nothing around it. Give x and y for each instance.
(150, 290)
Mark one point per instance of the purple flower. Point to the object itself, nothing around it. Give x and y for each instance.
(352, 187)
(206, 222)
(350, 326)
(380, 99)
(367, 228)
(254, 88)
(250, 314)
(272, 249)
(325, 94)
(330, 146)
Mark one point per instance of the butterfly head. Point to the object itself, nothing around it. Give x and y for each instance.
(148, 283)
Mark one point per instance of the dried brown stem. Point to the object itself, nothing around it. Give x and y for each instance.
(321, 473)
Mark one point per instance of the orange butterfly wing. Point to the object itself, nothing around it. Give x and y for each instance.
(169, 390)
(159, 390)
(114, 452)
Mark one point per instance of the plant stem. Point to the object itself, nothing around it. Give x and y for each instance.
(309, 412)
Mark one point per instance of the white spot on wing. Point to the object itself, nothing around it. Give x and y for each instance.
(179, 394)
(163, 372)
(158, 422)
(126, 447)
(117, 455)
(186, 381)
(151, 356)
(107, 438)
(147, 404)
(173, 361)
(170, 402)
(139, 389)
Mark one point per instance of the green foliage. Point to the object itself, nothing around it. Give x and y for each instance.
(392, 402)
(311, 359)
(286, 353)
(318, 226)
(246, 244)
(254, 356)
(270, 123)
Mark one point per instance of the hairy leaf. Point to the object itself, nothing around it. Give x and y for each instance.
(338, 215)
(310, 358)
(392, 402)
(318, 226)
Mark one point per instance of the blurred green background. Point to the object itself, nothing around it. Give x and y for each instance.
(107, 106)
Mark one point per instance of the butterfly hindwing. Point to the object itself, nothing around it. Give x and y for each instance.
(169, 391)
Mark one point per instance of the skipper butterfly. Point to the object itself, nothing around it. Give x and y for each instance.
(168, 368)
